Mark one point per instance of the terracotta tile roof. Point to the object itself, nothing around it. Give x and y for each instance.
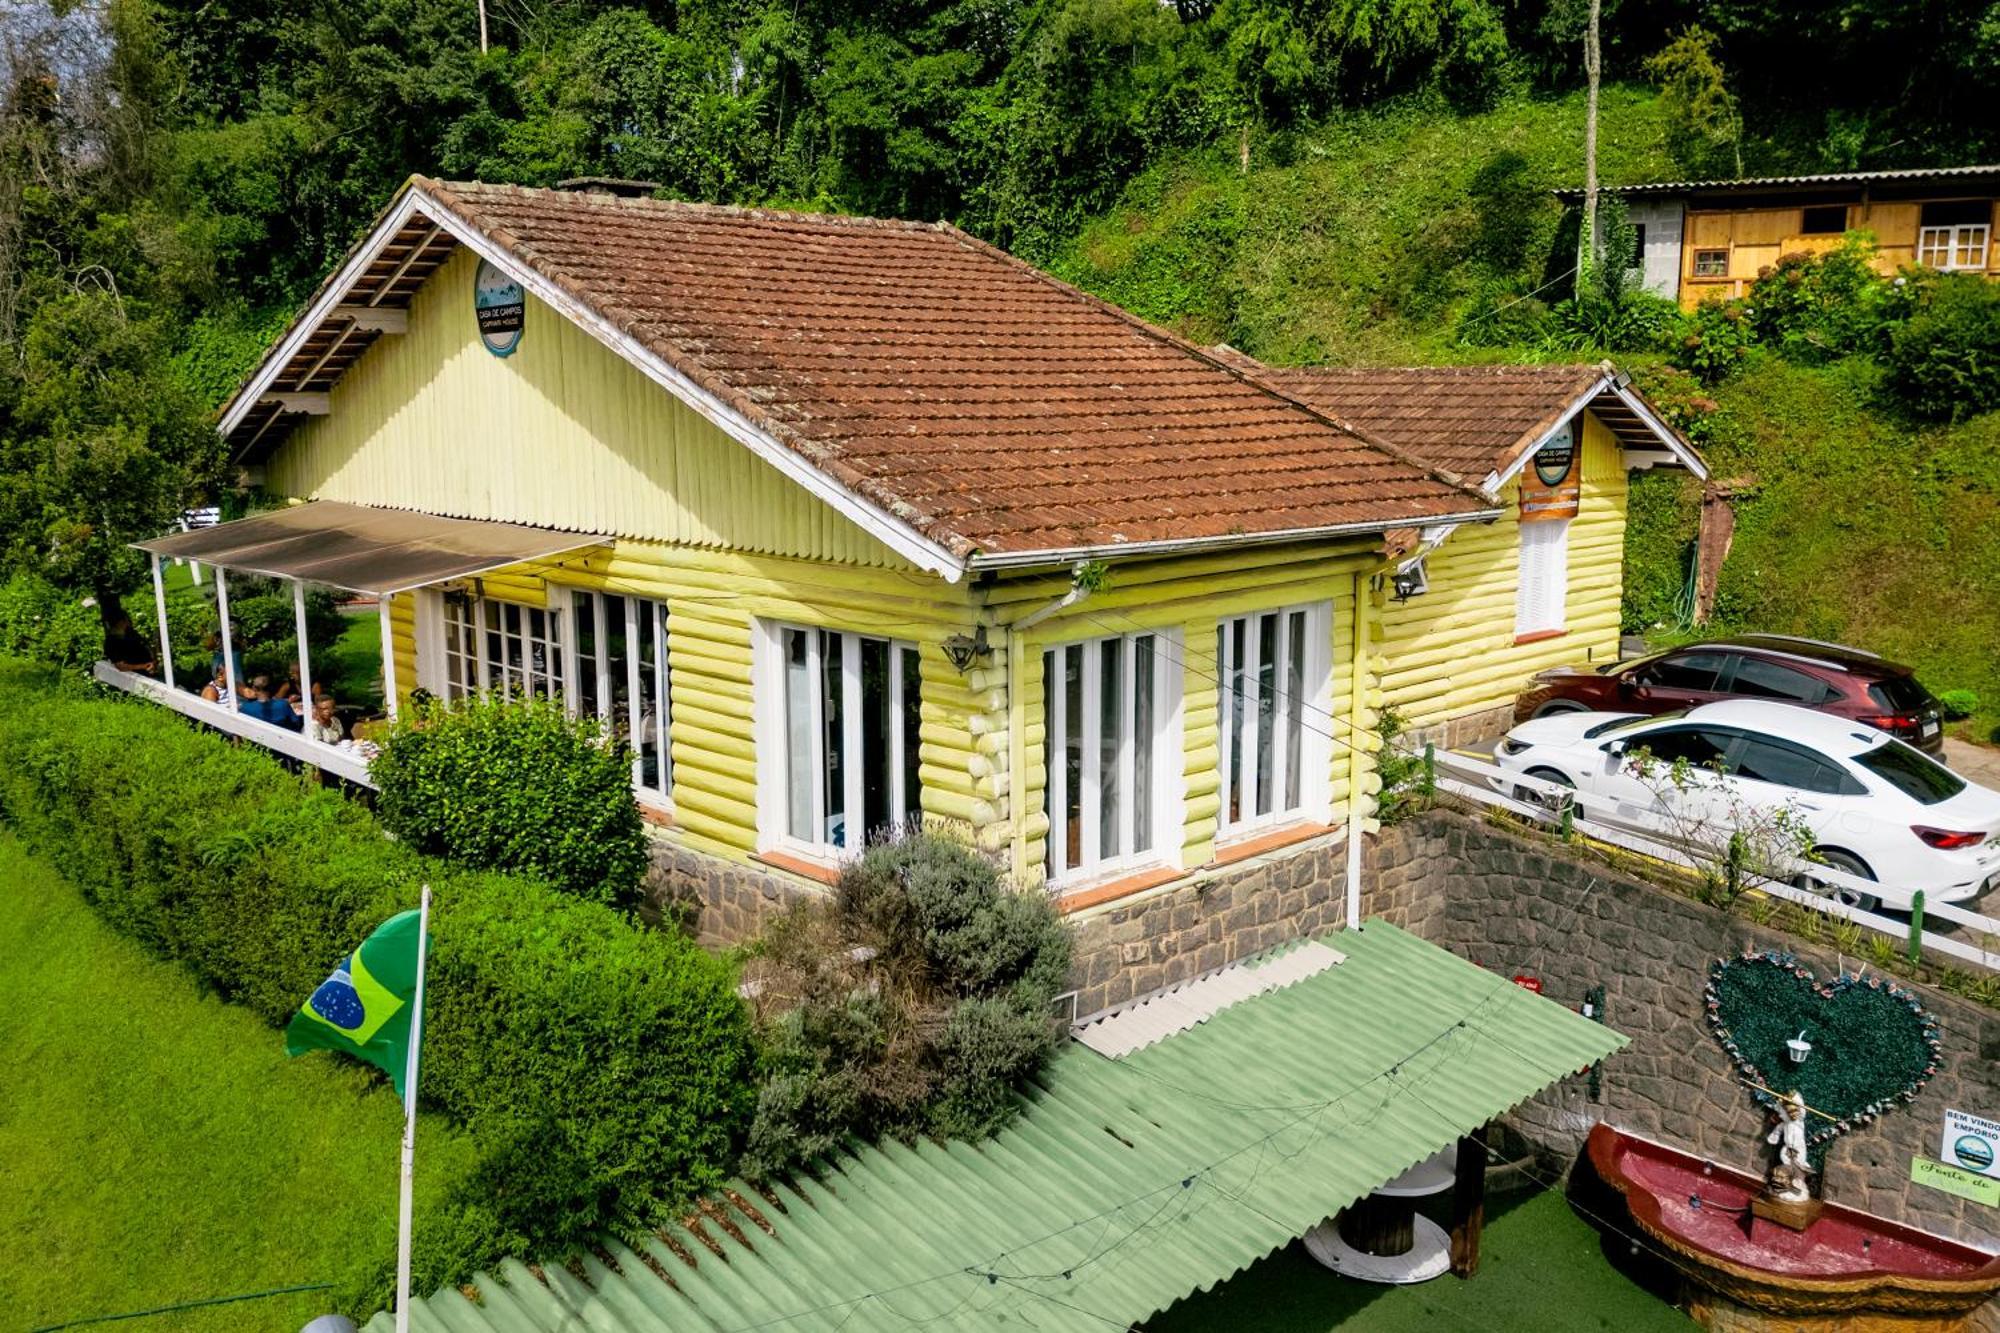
(1471, 420)
(987, 405)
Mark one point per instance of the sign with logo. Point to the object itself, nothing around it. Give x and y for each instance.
(1950, 1179)
(502, 309)
(1972, 1142)
(1552, 483)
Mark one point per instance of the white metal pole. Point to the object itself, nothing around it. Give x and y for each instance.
(160, 604)
(305, 655)
(388, 655)
(404, 1204)
(228, 646)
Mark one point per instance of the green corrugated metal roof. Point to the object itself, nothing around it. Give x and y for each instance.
(1123, 1186)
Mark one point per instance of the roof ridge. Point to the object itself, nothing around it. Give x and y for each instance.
(749, 212)
(1443, 476)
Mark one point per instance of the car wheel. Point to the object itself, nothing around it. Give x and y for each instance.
(1546, 800)
(1555, 706)
(1841, 893)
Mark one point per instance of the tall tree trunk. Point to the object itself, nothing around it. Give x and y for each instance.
(1586, 259)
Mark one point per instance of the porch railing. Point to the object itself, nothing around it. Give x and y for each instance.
(327, 758)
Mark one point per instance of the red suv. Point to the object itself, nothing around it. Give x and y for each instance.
(1846, 682)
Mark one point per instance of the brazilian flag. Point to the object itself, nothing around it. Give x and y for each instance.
(364, 1008)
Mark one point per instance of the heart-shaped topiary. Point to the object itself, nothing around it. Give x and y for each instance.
(1873, 1045)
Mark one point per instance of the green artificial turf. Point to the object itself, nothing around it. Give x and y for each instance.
(159, 1147)
(1542, 1270)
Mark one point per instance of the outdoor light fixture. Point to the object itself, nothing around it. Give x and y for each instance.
(1798, 1048)
(962, 650)
(1410, 581)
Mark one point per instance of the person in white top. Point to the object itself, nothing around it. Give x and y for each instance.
(323, 726)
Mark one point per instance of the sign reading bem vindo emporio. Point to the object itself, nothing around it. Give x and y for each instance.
(1552, 483)
(501, 306)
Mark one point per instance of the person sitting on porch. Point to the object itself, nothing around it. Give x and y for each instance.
(259, 702)
(323, 726)
(217, 690)
(125, 648)
(288, 688)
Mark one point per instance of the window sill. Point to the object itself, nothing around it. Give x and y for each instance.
(1124, 886)
(659, 816)
(799, 865)
(1539, 636)
(1269, 840)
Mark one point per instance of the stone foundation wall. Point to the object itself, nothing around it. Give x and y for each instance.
(1466, 729)
(1517, 903)
(721, 903)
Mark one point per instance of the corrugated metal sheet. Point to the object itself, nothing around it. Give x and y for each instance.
(1122, 1187)
(1828, 178)
(1156, 1017)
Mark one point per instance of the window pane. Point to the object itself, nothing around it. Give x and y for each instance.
(1267, 707)
(833, 703)
(1295, 710)
(1143, 723)
(1767, 680)
(877, 812)
(1110, 738)
(1683, 671)
(798, 737)
(913, 717)
(1700, 748)
(1235, 702)
(649, 744)
(1072, 745)
(1051, 744)
(588, 649)
(1913, 774)
(1780, 765)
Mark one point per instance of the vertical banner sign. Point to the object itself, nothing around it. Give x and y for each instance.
(1552, 483)
(502, 308)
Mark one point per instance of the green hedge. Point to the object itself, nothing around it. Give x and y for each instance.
(603, 1068)
(41, 621)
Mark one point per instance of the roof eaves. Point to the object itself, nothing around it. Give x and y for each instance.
(1059, 555)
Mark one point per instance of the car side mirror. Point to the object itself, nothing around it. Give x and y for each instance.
(1614, 747)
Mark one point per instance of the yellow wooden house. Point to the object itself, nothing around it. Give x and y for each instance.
(844, 524)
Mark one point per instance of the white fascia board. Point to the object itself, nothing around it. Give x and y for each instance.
(1495, 480)
(1185, 545)
(892, 532)
(1669, 438)
(1669, 441)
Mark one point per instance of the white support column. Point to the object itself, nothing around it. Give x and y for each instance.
(228, 641)
(388, 654)
(160, 605)
(305, 652)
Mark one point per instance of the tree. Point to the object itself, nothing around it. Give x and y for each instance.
(1704, 127)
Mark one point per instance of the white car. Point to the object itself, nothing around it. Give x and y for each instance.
(1875, 807)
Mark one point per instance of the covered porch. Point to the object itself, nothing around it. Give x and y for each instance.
(358, 550)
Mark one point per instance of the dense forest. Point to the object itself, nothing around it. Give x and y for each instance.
(1332, 180)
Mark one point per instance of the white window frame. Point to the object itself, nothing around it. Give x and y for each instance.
(1541, 593)
(637, 611)
(485, 616)
(1310, 711)
(770, 706)
(1165, 788)
(1939, 247)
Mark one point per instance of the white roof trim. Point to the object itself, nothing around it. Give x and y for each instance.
(891, 531)
(1154, 1018)
(1668, 438)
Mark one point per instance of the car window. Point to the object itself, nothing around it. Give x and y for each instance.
(1915, 775)
(1789, 766)
(1759, 679)
(1702, 749)
(1618, 724)
(1900, 694)
(1682, 671)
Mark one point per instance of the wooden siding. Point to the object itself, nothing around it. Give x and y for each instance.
(563, 434)
(1451, 650)
(1757, 237)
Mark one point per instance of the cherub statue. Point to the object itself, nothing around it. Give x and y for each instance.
(1789, 1174)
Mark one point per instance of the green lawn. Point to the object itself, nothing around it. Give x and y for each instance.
(158, 1145)
(1541, 1271)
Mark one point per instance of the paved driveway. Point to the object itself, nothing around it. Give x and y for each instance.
(1981, 763)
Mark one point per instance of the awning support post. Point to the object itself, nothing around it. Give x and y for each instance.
(160, 604)
(228, 643)
(1468, 1203)
(305, 652)
(388, 655)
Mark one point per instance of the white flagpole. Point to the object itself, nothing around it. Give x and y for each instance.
(406, 1203)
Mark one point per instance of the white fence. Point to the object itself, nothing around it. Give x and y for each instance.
(1475, 780)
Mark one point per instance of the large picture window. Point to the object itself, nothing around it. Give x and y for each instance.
(843, 757)
(1542, 594)
(1272, 670)
(501, 646)
(621, 677)
(1107, 709)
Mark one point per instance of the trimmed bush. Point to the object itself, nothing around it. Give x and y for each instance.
(516, 785)
(603, 1068)
(916, 1003)
(1944, 361)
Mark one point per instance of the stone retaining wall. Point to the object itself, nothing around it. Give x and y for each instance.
(1516, 903)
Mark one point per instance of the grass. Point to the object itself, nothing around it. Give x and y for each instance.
(1542, 1270)
(161, 1148)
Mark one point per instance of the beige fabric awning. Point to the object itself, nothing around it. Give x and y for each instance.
(365, 549)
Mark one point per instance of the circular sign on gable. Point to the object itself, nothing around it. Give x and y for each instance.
(1554, 459)
(501, 307)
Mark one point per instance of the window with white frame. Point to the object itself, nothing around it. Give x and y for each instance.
(839, 757)
(1108, 710)
(489, 644)
(620, 675)
(1956, 247)
(1543, 591)
(1273, 670)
